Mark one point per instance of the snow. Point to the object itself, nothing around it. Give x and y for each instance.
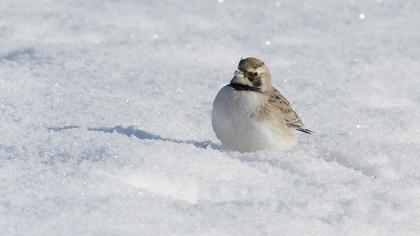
(105, 124)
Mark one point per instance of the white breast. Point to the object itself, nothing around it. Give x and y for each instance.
(234, 125)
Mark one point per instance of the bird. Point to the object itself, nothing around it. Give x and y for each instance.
(249, 114)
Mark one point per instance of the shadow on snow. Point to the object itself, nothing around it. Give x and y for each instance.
(141, 134)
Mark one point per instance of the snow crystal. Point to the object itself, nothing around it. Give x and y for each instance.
(105, 118)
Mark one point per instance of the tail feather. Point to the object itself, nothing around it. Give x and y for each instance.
(307, 131)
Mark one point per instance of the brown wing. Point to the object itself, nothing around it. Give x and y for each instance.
(290, 117)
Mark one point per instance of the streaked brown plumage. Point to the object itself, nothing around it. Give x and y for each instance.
(281, 108)
(277, 108)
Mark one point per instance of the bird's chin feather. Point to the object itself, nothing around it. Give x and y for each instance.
(241, 80)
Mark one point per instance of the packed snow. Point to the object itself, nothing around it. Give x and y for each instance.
(105, 118)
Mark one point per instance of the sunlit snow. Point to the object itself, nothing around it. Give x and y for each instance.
(105, 110)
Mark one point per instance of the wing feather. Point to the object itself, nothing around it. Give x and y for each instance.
(285, 111)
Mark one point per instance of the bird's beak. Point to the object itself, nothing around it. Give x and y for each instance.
(238, 74)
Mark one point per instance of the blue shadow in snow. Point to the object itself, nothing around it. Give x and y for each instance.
(141, 134)
(18, 53)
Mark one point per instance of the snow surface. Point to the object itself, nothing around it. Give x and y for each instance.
(105, 118)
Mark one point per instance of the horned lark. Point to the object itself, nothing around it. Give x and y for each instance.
(249, 114)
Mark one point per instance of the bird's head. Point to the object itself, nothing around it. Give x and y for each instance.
(253, 73)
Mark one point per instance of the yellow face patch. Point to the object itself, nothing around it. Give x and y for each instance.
(249, 78)
(241, 80)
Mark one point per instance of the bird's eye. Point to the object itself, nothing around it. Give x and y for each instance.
(254, 74)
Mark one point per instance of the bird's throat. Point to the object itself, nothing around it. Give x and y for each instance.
(241, 87)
